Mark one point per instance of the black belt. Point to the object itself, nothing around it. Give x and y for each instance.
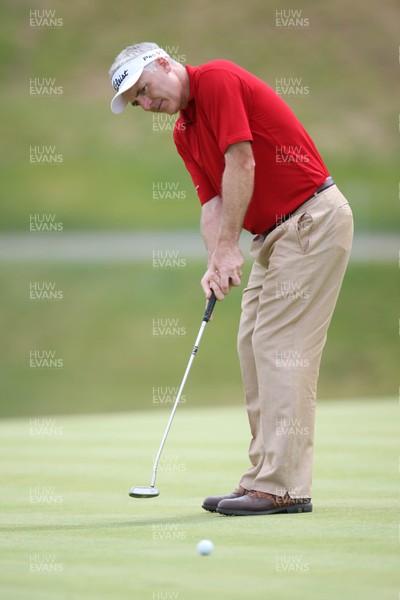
(329, 181)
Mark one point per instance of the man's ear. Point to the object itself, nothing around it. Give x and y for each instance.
(164, 63)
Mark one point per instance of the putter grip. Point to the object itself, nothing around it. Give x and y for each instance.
(210, 307)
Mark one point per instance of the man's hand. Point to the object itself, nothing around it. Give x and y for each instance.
(224, 271)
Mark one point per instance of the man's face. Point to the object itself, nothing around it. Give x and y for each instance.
(157, 91)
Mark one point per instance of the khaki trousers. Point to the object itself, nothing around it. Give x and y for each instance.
(286, 310)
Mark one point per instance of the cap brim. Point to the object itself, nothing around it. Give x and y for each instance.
(118, 103)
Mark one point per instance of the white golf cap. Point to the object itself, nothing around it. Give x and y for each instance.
(127, 75)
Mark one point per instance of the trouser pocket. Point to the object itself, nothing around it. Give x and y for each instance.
(303, 231)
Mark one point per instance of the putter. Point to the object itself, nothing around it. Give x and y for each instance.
(152, 491)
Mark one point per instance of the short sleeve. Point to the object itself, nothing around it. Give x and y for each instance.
(224, 99)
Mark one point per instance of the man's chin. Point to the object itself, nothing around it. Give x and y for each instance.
(166, 108)
(169, 110)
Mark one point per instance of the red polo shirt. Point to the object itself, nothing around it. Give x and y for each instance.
(228, 105)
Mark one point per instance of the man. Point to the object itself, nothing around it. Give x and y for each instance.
(255, 167)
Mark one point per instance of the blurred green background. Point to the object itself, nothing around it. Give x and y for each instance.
(345, 60)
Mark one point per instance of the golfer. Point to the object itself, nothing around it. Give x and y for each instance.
(255, 167)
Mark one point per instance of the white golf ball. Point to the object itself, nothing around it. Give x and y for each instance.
(205, 547)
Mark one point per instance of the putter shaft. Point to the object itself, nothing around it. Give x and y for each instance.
(206, 318)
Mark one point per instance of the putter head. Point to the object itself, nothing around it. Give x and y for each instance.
(144, 492)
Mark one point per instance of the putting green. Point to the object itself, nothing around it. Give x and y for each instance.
(70, 531)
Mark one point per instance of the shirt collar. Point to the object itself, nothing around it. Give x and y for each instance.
(191, 71)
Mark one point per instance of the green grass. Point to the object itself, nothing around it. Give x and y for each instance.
(108, 545)
(102, 330)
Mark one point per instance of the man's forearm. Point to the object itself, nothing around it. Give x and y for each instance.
(222, 221)
(210, 225)
(237, 190)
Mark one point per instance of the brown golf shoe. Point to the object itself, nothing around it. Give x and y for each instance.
(262, 503)
(212, 502)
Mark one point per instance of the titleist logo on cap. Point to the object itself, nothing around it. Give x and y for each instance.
(134, 65)
(118, 80)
